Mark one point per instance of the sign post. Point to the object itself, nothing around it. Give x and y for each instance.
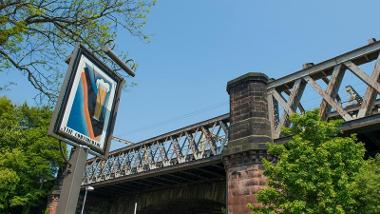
(72, 182)
(84, 117)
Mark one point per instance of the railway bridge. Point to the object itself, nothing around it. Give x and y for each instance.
(215, 165)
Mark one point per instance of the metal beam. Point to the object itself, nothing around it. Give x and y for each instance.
(363, 76)
(292, 103)
(209, 172)
(332, 89)
(175, 133)
(161, 178)
(161, 171)
(198, 176)
(360, 54)
(370, 94)
(328, 99)
(178, 177)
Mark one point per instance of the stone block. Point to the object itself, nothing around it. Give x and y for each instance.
(249, 133)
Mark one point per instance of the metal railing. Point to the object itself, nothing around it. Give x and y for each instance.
(196, 142)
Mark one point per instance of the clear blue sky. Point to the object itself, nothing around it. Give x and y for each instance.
(197, 46)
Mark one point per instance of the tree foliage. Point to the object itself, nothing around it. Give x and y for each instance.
(367, 186)
(35, 35)
(316, 171)
(29, 159)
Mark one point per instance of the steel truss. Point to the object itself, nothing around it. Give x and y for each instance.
(209, 138)
(196, 142)
(331, 72)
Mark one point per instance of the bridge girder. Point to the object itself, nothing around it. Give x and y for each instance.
(202, 144)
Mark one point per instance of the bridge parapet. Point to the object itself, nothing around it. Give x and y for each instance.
(284, 94)
(200, 141)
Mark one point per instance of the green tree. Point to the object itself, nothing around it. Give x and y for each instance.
(367, 186)
(29, 159)
(36, 35)
(315, 171)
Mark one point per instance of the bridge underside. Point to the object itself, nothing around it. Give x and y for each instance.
(186, 207)
(211, 170)
(200, 195)
(368, 132)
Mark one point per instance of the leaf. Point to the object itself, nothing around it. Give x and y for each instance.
(318, 171)
(29, 159)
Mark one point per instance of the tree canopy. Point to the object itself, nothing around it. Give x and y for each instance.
(367, 186)
(37, 35)
(319, 171)
(29, 159)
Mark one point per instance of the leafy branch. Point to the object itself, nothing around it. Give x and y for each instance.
(35, 35)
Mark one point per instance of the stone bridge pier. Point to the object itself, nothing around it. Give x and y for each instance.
(250, 130)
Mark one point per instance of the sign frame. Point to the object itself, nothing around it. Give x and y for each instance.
(65, 93)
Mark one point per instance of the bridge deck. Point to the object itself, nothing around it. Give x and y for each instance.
(209, 168)
(193, 153)
(195, 146)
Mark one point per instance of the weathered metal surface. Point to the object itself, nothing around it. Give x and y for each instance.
(331, 72)
(198, 142)
(358, 56)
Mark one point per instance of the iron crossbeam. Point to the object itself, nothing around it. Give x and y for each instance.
(358, 56)
(331, 73)
(201, 141)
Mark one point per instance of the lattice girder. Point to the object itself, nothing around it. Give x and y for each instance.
(331, 72)
(197, 142)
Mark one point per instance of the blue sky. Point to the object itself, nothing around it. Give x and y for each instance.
(197, 46)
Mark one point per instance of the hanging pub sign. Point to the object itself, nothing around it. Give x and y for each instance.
(87, 105)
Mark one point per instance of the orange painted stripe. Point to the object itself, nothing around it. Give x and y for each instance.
(86, 112)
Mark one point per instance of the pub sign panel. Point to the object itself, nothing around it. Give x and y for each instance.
(86, 109)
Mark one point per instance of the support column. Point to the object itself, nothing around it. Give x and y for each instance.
(249, 131)
(53, 200)
(72, 182)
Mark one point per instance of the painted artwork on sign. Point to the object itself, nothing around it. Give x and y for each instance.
(84, 115)
(89, 104)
